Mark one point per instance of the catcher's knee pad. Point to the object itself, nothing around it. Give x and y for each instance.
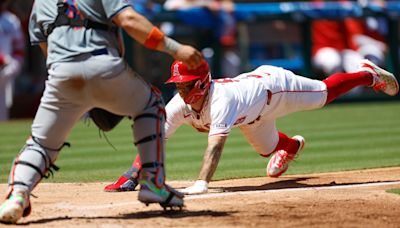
(148, 131)
(32, 164)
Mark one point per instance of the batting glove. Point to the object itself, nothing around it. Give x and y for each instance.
(199, 187)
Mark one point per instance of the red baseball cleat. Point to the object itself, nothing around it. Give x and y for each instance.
(122, 184)
(279, 162)
(383, 80)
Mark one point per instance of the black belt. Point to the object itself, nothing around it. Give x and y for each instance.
(102, 51)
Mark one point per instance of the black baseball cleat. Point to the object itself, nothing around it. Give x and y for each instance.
(165, 195)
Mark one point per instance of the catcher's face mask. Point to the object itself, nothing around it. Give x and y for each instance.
(192, 84)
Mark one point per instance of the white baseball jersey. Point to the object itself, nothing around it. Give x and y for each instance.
(251, 101)
(11, 50)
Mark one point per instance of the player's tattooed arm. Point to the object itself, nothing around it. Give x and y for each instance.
(211, 157)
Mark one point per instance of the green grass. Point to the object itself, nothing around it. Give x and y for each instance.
(339, 137)
(394, 190)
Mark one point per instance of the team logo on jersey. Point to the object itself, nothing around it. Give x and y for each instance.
(220, 125)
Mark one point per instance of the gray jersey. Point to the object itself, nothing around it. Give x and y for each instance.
(65, 43)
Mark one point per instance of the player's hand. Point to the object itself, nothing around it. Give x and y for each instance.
(189, 55)
(199, 187)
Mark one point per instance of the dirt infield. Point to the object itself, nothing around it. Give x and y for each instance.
(343, 199)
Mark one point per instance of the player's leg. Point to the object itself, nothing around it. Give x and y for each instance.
(341, 83)
(149, 135)
(368, 74)
(54, 120)
(144, 104)
(129, 180)
(266, 140)
(286, 150)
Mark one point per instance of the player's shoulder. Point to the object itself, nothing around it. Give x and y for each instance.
(221, 95)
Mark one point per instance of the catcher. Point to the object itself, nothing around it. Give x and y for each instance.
(252, 102)
(82, 41)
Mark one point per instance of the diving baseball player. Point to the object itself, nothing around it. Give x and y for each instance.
(82, 41)
(252, 102)
(12, 45)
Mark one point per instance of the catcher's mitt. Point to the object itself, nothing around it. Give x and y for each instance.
(104, 119)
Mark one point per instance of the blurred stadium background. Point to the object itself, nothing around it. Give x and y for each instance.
(268, 32)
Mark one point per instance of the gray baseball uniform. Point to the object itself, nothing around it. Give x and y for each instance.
(85, 71)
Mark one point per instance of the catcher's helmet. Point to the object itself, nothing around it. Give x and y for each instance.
(180, 74)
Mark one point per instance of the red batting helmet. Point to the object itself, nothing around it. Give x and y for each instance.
(180, 73)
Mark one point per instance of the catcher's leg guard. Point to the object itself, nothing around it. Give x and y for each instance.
(149, 135)
(32, 164)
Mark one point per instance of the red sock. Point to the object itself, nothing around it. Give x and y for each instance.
(288, 144)
(340, 83)
(137, 164)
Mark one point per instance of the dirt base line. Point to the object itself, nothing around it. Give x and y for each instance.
(225, 194)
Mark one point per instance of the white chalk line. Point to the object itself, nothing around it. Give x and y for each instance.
(224, 194)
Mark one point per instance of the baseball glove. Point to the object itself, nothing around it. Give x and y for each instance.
(104, 119)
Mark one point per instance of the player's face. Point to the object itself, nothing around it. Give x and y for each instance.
(184, 88)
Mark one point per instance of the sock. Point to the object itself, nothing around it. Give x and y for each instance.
(288, 144)
(340, 83)
(135, 168)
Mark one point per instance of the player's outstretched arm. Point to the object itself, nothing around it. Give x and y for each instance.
(210, 163)
(143, 31)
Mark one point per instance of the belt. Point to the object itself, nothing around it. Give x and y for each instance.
(102, 51)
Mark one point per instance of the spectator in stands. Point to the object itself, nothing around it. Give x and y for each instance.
(339, 44)
(222, 18)
(11, 56)
(219, 19)
(343, 43)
